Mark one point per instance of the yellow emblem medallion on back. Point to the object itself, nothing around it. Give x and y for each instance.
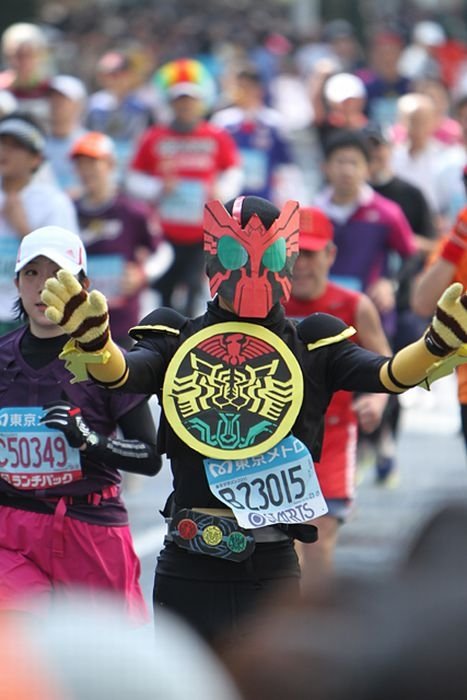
(233, 390)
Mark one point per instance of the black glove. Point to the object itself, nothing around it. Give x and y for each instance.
(61, 415)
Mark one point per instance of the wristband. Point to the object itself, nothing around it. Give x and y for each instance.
(94, 440)
(436, 345)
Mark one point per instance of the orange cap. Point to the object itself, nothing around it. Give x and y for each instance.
(94, 144)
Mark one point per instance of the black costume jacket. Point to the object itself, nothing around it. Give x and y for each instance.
(336, 364)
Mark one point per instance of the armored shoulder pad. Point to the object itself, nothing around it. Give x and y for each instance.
(320, 329)
(163, 320)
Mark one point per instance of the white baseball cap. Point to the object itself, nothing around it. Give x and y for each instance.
(342, 86)
(429, 33)
(69, 86)
(58, 244)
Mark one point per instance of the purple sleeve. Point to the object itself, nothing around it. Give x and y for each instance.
(147, 237)
(401, 237)
(143, 234)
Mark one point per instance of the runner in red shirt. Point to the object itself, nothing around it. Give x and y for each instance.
(180, 166)
(312, 292)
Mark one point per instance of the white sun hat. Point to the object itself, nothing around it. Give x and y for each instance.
(58, 244)
(343, 86)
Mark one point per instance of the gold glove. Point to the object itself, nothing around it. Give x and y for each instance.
(446, 334)
(448, 329)
(85, 317)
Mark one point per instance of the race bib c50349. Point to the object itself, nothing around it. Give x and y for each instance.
(33, 456)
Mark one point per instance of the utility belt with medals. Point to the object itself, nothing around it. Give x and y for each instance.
(214, 535)
(232, 392)
(200, 531)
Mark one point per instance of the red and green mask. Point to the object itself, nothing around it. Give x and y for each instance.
(250, 248)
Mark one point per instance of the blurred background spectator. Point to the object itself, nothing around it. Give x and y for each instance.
(259, 131)
(118, 109)
(118, 233)
(178, 167)
(339, 102)
(27, 57)
(383, 80)
(418, 157)
(26, 202)
(341, 38)
(447, 129)
(369, 230)
(419, 57)
(67, 102)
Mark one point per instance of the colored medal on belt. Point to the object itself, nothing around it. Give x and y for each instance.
(277, 487)
(233, 390)
(215, 536)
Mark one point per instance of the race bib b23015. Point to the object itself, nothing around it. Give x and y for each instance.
(277, 487)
